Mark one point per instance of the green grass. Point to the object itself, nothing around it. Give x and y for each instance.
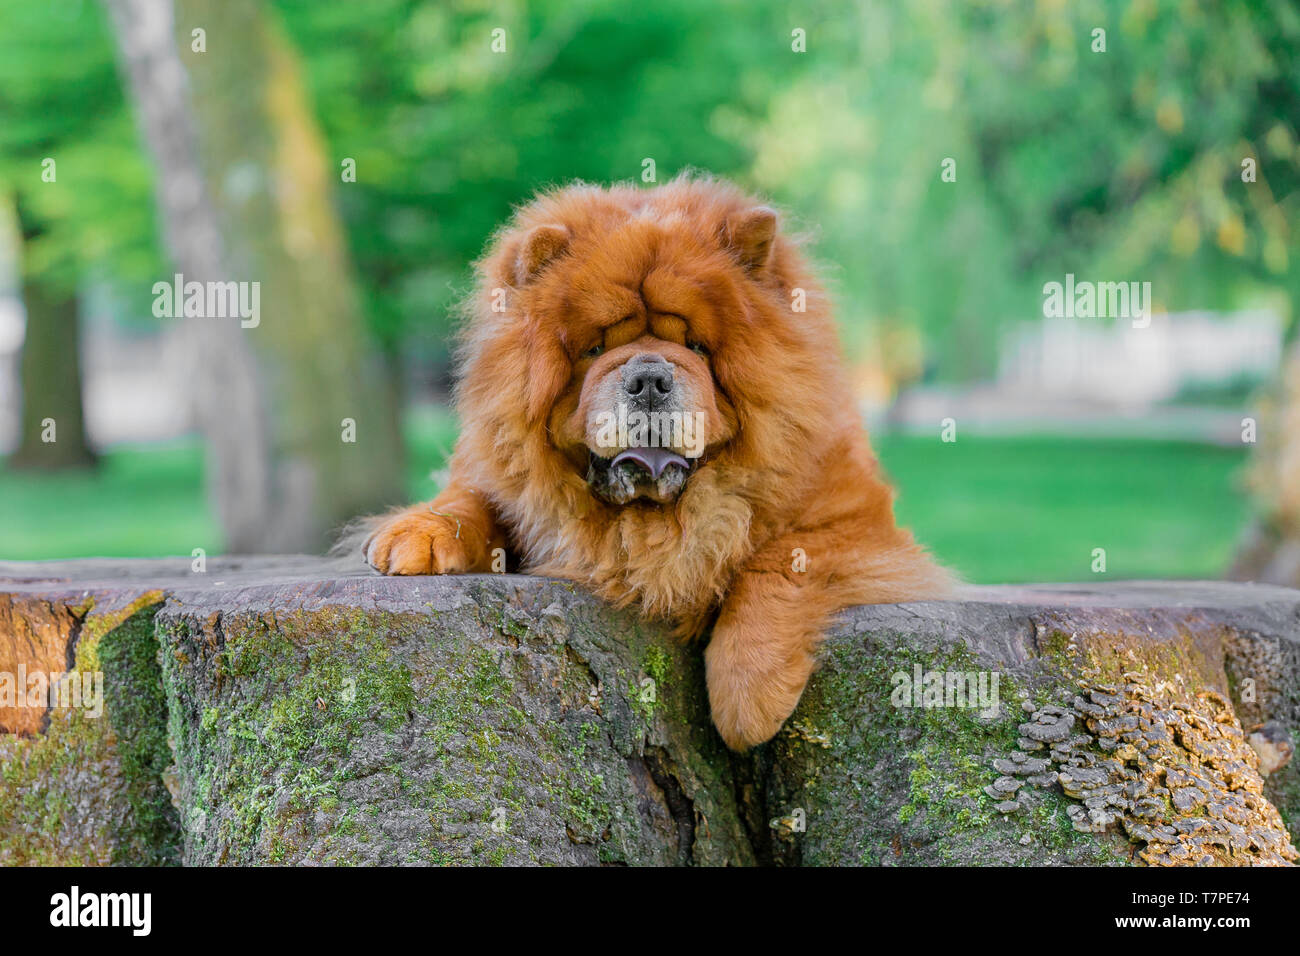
(1034, 508)
(149, 500)
(140, 502)
(995, 509)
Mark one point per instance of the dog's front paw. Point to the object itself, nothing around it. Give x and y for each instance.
(419, 542)
(743, 724)
(751, 698)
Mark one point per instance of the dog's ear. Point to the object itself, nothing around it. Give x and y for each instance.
(538, 247)
(749, 236)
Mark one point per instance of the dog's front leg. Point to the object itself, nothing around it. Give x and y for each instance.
(761, 653)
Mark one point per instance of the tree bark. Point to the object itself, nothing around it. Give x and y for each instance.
(243, 192)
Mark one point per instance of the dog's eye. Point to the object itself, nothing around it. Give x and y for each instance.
(699, 348)
(594, 352)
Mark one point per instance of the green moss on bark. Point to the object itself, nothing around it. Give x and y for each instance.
(880, 784)
(341, 736)
(90, 790)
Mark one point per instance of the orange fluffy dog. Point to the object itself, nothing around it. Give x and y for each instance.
(653, 405)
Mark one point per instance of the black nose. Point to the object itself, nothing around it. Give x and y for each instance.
(648, 377)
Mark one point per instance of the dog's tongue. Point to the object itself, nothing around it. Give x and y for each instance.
(653, 460)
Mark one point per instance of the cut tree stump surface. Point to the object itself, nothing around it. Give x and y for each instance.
(299, 709)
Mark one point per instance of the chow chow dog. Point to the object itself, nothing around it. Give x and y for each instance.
(652, 404)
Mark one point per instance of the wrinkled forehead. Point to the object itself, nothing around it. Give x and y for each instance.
(646, 273)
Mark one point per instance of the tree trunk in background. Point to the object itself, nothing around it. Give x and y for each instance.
(244, 195)
(1270, 552)
(50, 372)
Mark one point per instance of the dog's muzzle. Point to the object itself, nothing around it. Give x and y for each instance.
(647, 467)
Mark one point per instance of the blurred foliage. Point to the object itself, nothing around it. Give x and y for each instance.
(1123, 164)
(448, 135)
(61, 99)
(1120, 165)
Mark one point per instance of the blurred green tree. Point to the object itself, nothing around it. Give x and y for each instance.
(70, 165)
(447, 135)
(301, 429)
(1122, 161)
(52, 428)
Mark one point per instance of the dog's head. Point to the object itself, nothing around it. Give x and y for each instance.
(647, 335)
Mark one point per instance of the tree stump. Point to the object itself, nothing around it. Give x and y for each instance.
(299, 710)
